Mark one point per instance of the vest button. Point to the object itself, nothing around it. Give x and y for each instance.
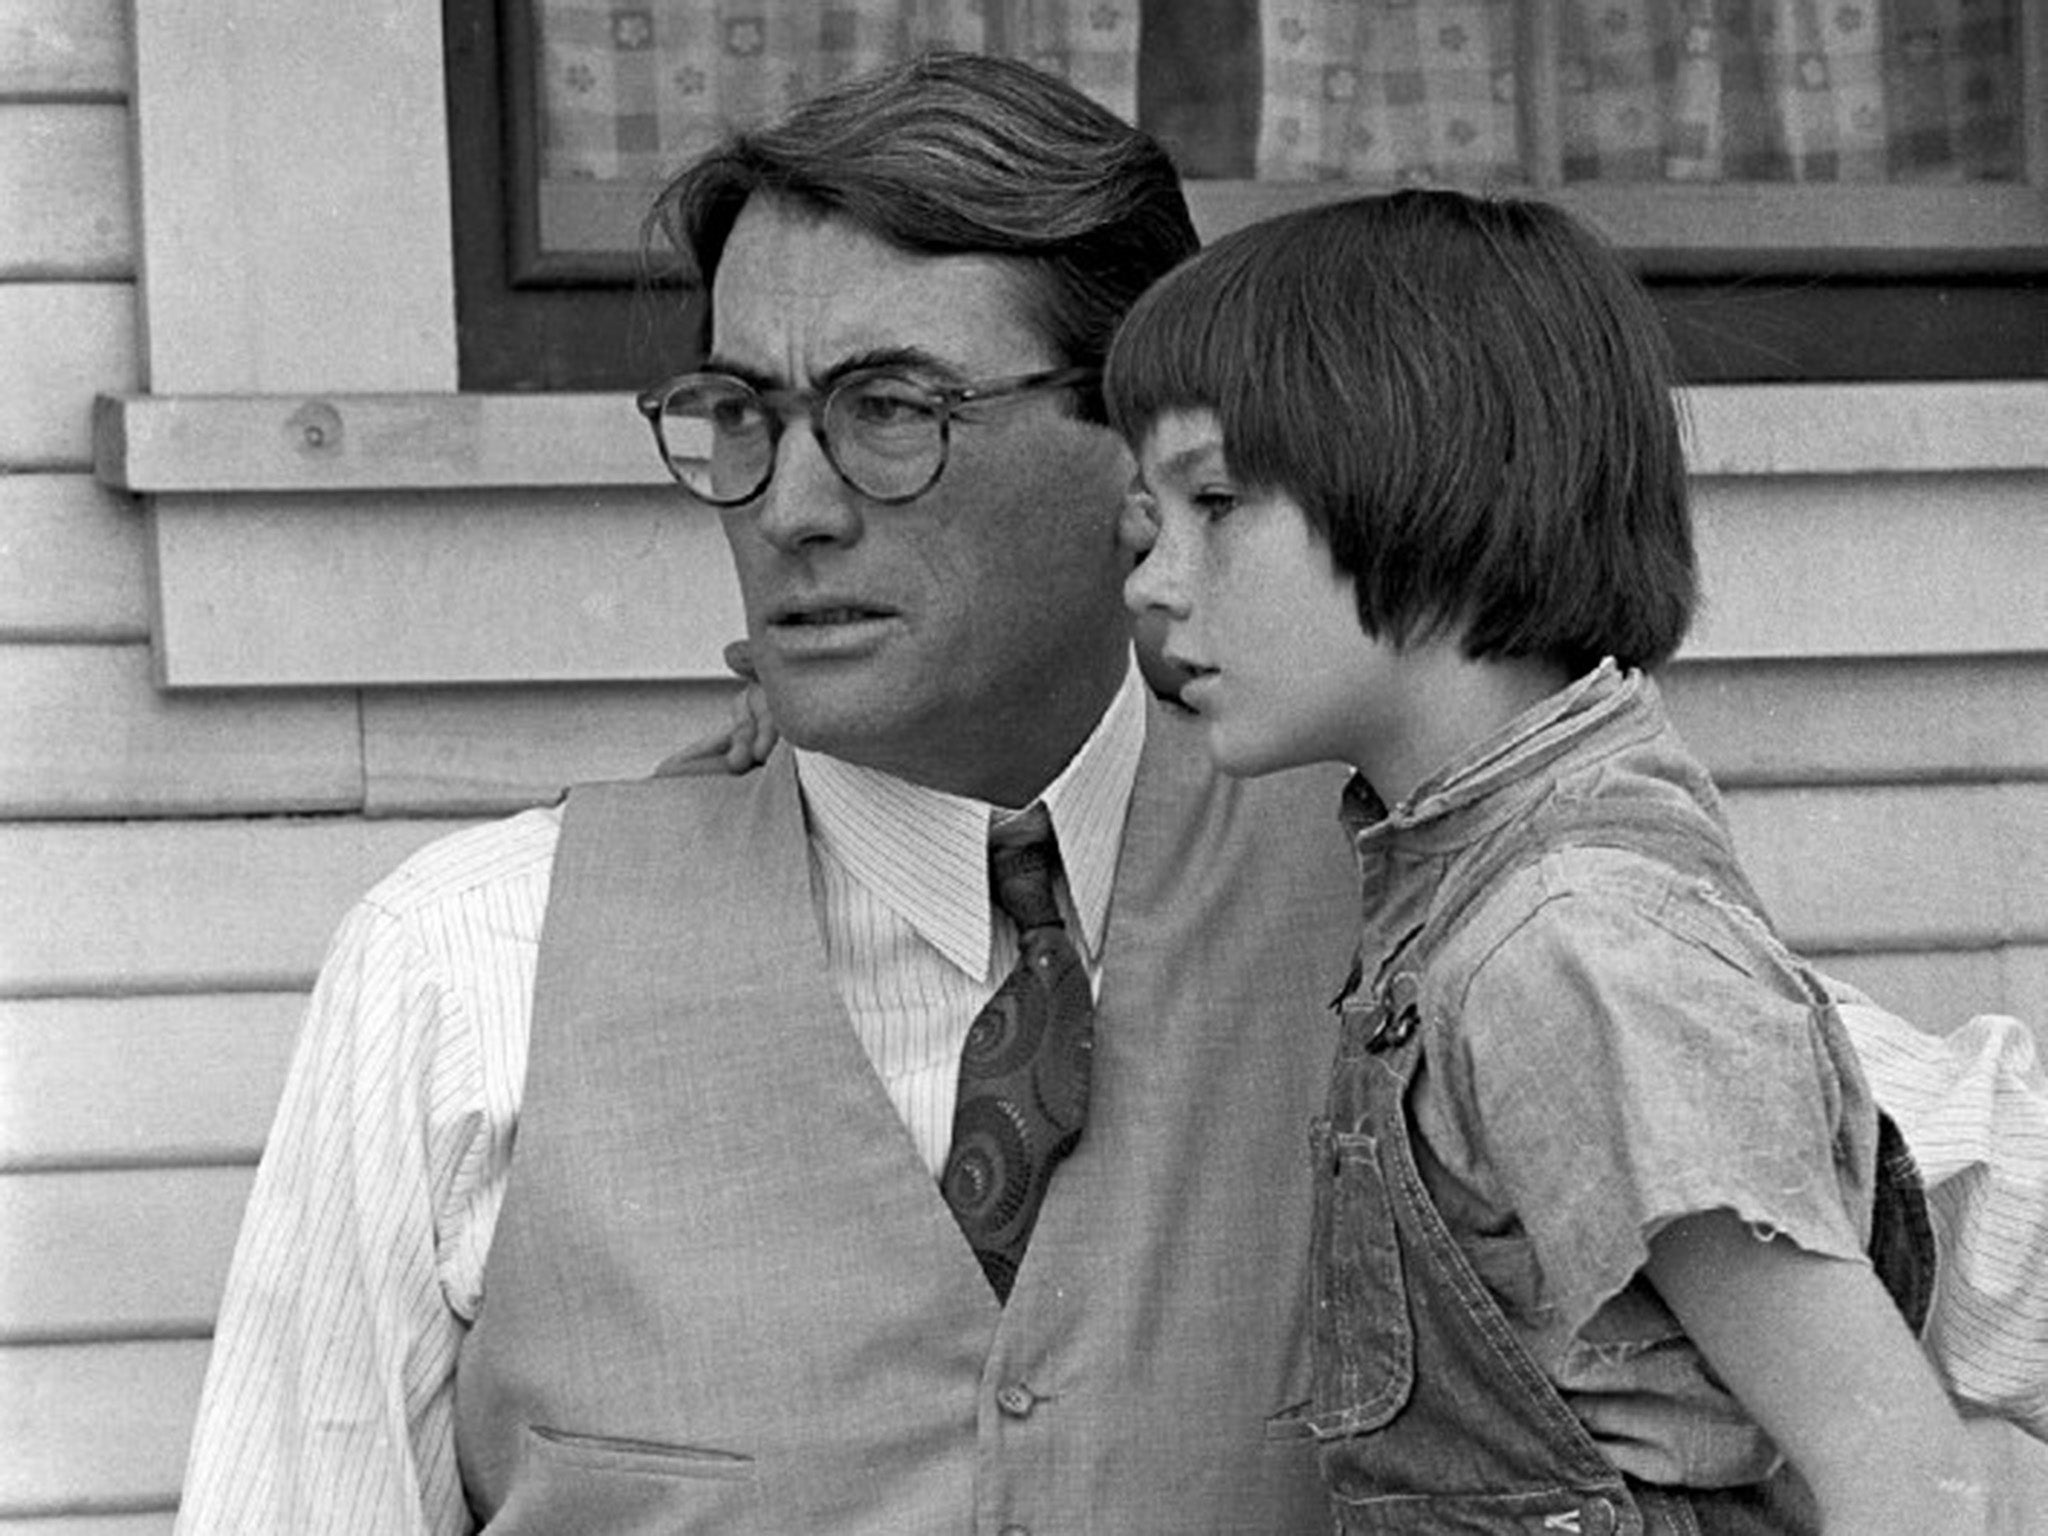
(1017, 1400)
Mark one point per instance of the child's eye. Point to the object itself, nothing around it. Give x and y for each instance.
(1214, 504)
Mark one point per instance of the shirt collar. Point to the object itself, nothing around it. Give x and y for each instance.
(924, 853)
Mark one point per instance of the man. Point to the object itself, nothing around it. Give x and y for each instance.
(732, 1280)
(719, 1286)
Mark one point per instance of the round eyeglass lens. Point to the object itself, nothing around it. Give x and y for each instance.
(730, 420)
(887, 435)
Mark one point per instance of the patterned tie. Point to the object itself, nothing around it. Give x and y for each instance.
(1025, 1065)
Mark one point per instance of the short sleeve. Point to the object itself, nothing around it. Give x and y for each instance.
(1632, 1053)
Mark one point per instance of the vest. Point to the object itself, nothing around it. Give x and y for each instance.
(725, 1294)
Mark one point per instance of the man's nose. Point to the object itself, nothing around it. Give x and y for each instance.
(806, 501)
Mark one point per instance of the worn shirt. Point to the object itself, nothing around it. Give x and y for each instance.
(1616, 1047)
(328, 1401)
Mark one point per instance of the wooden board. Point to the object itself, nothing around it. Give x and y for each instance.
(1867, 720)
(96, 1426)
(67, 49)
(180, 1078)
(294, 209)
(160, 906)
(440, 751)
(73, 561)
(84, 731)
(61, 344)
(123, 1254)
(66, 185)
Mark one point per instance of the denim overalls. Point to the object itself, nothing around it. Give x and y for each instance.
(1432, 1415)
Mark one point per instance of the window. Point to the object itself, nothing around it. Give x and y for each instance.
(1813, 188)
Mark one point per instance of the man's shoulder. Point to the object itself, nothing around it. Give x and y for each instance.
(493, 856)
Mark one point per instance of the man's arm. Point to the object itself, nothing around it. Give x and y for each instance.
(1973, 1106)
(329, 1395)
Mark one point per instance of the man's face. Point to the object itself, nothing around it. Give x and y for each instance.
(969, 639)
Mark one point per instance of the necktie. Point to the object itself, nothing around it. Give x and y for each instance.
(1025, 1065)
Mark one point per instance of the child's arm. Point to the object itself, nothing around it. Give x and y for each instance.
(1813, 1347)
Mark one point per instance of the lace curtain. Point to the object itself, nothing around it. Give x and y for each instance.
(1371, 91)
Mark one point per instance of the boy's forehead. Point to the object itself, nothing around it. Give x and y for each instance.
(1180, 443)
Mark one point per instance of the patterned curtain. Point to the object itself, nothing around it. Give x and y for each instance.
(1371, 91)
(632, 90)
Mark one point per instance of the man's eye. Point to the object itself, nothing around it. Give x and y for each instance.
(894, 405)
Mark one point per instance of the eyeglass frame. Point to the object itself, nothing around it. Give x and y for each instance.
(783, 404)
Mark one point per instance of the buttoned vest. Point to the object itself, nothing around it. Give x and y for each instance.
(725, 1295)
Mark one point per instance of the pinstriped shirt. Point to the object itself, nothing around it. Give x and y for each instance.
(328, 1404)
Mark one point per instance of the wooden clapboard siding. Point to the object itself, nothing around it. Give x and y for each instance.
(84, 731)
(1940, 989)
(154, 1523)
(116, 1253)
(96, 1429)
(167, 1080)
(152, 906)
(383, 588)
(1872, 720)
(442, 750)
(73, 561)
(69, 162)
(1872, 565)
(64, 50)
(61, 343)
(1890, 867)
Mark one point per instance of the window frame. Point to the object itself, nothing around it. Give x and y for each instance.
(1917, 282)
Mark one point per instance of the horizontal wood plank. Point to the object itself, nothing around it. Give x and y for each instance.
(153, 1523)
(187, 906)
(461, 751)
(61, 344)
(63, 48)
(137, 1253)
(139, 1081)
(96, 1428)
(73, 559)
(1899, 867)
(66, 185)
(1887, 565)
(1864, 720)
(334, 440)
(309, 591)
(625, 585)
(1939, 990)
(84, 731)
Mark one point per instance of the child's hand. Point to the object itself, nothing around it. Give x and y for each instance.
(745, 742)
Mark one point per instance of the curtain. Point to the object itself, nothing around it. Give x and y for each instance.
(633, 90)
(1368, 91)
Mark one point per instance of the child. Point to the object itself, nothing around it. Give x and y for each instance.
(1599, 1174)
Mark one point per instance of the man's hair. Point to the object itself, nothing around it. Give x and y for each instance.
(956, 154)
(1469, 397)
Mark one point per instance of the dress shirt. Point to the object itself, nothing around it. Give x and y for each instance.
(328, 1403)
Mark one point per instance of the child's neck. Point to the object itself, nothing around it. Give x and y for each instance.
(1455, 704)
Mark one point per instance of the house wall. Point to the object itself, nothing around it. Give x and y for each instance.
(172, 861)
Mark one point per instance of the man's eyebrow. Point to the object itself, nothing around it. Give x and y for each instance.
(910, 359)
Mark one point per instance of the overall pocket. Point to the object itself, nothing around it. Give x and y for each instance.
(1363, 1344)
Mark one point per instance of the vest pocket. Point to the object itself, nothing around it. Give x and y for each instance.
(1363, 1343)
(607, 1454)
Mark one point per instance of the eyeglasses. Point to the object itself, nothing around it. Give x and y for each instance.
(886, 432)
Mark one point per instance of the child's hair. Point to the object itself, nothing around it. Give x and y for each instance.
(1469, 397)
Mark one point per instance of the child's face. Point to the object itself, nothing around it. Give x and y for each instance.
(1246, 601)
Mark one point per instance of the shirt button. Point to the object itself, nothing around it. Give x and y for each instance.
(1017, 1401)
